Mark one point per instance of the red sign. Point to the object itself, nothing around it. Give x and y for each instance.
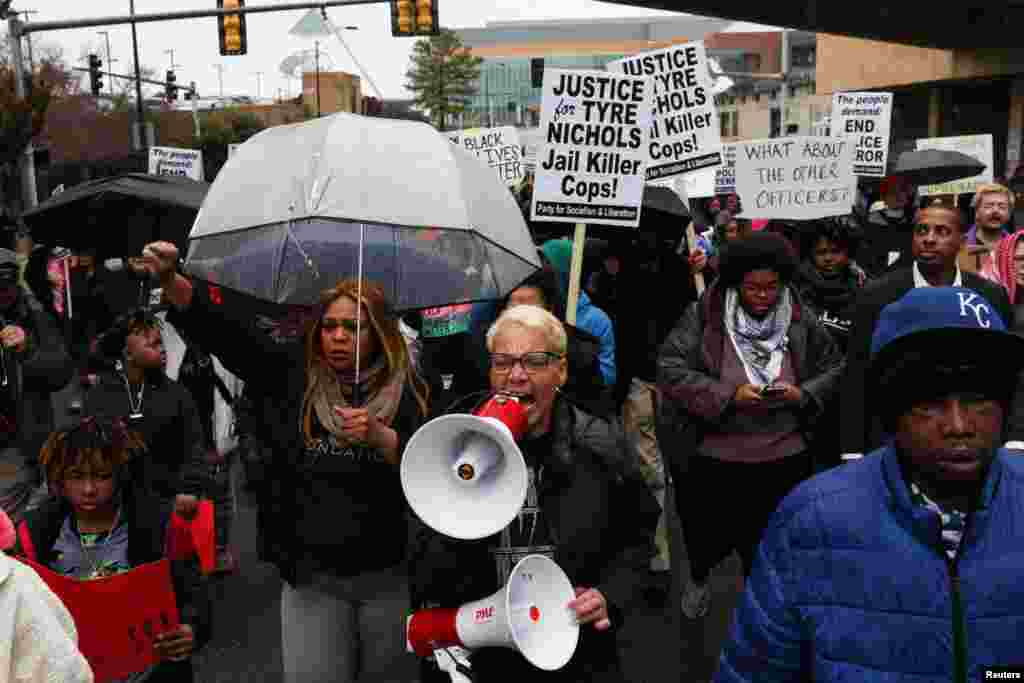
(118, 616)
(187, 538)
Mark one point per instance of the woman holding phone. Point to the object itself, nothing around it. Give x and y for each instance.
(743, 373)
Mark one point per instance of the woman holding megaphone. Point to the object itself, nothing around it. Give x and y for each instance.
(586, 508)
(333, 510)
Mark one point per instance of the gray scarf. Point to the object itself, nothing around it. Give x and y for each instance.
(760, 344)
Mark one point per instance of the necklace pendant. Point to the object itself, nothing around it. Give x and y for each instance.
(136, 416)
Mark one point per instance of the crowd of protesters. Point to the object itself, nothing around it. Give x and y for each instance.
(838, 407)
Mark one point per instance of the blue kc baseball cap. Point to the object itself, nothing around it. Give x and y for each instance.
(935, 340)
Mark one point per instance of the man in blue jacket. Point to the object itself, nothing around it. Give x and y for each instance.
(907, 565)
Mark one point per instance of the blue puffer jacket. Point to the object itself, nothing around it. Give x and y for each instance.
(851, 584)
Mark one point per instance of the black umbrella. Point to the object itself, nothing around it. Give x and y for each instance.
(118, 216)
(664, 200)
(934, 166)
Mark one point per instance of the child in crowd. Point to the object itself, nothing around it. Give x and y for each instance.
(97, 524)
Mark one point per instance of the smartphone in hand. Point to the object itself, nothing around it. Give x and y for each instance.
(772, 391)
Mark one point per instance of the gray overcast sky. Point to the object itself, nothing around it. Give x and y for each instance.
(195, 41)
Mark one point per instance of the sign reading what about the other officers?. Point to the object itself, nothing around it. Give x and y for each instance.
(797, 178)
(591, 166)
(685, 133)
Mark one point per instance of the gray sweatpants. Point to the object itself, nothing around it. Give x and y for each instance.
(342, 629)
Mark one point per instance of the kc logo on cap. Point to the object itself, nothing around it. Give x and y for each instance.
(931, 309)
(978, 306)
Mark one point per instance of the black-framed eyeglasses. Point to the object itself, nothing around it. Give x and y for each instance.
(350, 325)
(535, 361)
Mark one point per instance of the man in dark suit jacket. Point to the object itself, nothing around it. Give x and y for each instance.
(937, 237)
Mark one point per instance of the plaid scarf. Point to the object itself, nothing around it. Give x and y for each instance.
(952, 523)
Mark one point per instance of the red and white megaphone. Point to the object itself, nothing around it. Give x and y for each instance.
(463, 475)
(530, 614)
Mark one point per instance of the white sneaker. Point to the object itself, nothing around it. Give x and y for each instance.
(696, 600)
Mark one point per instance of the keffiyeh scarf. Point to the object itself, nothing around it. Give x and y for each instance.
(760, 344)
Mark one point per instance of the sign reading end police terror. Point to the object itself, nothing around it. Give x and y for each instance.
(183, 163)
(591, 166)
(865, 117)
(685, 134)
(797, 178)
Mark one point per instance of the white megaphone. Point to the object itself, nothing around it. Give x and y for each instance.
(463, 475)
(530, 614)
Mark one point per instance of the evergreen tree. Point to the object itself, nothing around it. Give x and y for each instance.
(442, 76)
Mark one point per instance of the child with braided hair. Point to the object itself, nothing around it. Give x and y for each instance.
(98, 524)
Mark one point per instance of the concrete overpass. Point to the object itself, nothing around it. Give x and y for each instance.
(935, 24)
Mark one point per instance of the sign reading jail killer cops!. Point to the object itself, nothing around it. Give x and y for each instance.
(865, 117)
(591, 166)
(184, 163)
(685, 135)
(977, 146)
(497, 147)
(796, 178)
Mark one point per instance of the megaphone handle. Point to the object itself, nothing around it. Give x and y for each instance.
(447, 662)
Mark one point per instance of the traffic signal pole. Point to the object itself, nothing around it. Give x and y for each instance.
(17, 30)
(140, 112)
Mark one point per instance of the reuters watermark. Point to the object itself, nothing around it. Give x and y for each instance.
(1004, 673)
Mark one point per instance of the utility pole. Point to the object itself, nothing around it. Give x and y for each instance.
(784, 86)
(139, 111)
(110, 62)
(28, 167)
(28, 41)
(259, 83)
(317, 48)
(220, 74)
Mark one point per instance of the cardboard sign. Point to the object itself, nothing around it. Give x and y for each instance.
(798, 178)
(865, 117)
(117, 617)
(184, 163)
(685, 133)
(498, 147)
(591, 168)
(977, 146)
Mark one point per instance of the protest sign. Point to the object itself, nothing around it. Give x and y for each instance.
(725, 175)
(117, 617)
(184, 163)
(685, 134)
(591, 166)
(798, 178)
(194, 537)
(498, 147)
(699, 183)
(977, 146)
(864, 117)
(232, 148)
(446, 320)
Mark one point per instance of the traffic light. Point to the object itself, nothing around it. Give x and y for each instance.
(231, 28)
(537, 72)
(414, 18)
(95, 75)
(171, 87)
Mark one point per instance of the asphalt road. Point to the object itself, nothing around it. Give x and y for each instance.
(658, 644)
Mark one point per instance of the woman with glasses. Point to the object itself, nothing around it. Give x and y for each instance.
(333, 513)
(742, 374)
(586, 508)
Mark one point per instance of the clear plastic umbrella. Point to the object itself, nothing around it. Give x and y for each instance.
(299, 207)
